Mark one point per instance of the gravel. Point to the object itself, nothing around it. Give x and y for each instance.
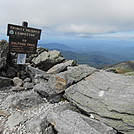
(28, 114)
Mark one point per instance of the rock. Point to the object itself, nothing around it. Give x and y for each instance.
(17, 81)
(11, 72)
(70, 122)
(3, 96)
(122, 67)
(108, 96)
(17, 89)
(65, 106)
(27, 80)
(4, 113)
(61, 81)
(39, 125)
(28, 85)
(4, 82)
(36, 72)
(61, 67)
(23, 100)
(1, 128)
(38, 51)
(3, 53)
(23, 73)
(46, 91)
(46, 60)
(15, 119)
(99, 126)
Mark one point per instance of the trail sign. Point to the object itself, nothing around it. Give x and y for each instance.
(23, 39)
(22, 45)
(21, 31)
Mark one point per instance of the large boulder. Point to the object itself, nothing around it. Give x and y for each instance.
(3, 53)
(38, 52)
(70, 122)
(108, 96)
(61, 67)
(61, 81)
(46, 60)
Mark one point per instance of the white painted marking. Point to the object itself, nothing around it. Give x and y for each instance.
(101, 93)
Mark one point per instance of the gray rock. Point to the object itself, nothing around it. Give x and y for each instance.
(11, 72)
(108, 96)
(3, 53)
(17, 89)
(70, 122)
(61, 67)
(1, 128)
(38, 51)
(4, 113)
(99, 126)
(15, 119)
(36, 72)
(61, 81)
(28, 85)
(46, 91)
(23, 100)
(46, 60)
(39, 125)
(64, 107)
(4, 82)
(3, 96)
(17, 81)
(27, 80)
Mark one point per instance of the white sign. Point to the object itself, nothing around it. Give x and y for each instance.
(21, 59)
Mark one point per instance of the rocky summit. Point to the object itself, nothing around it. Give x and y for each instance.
(52, 95)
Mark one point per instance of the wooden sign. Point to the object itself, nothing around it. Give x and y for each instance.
(23, 39)
(20, 45)
(21, 31)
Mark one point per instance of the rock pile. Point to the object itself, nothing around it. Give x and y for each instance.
(52, 95)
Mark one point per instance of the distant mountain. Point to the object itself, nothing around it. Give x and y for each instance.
(96, 61)
(59, 46)
(97, 56)
(122, 67)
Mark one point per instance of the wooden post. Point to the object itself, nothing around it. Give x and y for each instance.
(19, 66)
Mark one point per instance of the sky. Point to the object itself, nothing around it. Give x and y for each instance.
(79, 18)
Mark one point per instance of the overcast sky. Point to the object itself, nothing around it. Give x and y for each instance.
(91, 17)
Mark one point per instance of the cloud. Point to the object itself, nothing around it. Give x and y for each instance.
(77, 16)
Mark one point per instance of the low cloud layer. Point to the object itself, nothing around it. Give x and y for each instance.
(77, 16)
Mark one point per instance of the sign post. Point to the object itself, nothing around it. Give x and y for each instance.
(22, 40)
(21, 58)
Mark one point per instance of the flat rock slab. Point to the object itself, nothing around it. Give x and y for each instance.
(108, 96)
(70, 122)
(61, 81)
